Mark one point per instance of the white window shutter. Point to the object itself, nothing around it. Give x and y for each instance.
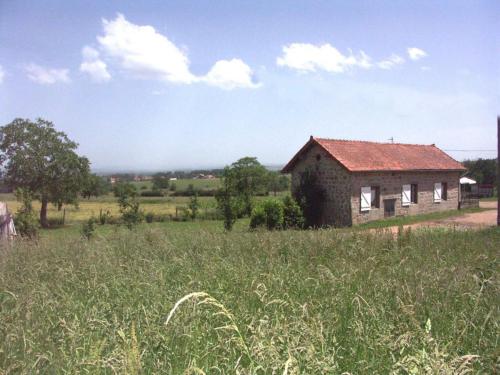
(366, 198)
(437, 192)
(406, 195)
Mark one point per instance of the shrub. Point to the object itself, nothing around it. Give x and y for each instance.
(88, 228)
(104, 217)
(129, 207)
(122, 189)
(152, 193)
(149, 217)
(193, 206)
(292, 214)
(25, 221)
(26, 224)
(131, 214)
(227, 206)
(268, 213)
(258, 217)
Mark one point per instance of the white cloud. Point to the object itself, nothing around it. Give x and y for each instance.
(307, 57)
(145, 53)
(415, 53)
(230, 74)
(2, 73)
(93, 65)
(47, 76)
(391, 62)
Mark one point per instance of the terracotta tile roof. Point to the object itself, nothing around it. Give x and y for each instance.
(362, 156)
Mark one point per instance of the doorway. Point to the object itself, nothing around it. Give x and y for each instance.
(389, 207)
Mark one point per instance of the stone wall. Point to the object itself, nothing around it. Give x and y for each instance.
(391, 183)
(334, 178)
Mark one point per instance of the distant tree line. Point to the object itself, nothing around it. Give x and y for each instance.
(484, 171)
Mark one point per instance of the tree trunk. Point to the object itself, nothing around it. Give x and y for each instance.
(43, 213)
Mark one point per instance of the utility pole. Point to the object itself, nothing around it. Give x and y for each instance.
(498, 170)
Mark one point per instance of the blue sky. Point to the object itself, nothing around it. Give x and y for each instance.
(158, 85)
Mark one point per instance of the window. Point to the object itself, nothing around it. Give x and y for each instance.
(318, 157)
(375, 195)
(437, 192)
(414, 193)
(406, 195)
(366, 199)
(444, 191)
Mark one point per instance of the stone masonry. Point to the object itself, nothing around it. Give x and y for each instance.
(343, 189)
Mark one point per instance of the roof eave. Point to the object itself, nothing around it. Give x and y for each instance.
(407, 170)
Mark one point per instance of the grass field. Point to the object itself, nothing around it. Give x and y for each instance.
(290, 302)
(92, 207)
(183, 183)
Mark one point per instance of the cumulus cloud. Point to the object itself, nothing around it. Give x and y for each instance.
(307, 57)
(230, 74)
(145, 53)
(2, 74)
(391, 62)
(93, 65)
(47, 76)
(415, 53)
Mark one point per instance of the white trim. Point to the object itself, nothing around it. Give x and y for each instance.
(437, 192)
(406, 195)
(366, 198)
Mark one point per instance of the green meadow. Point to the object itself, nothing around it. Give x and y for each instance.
(188, 298)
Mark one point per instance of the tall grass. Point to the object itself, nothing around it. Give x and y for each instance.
(309, 302)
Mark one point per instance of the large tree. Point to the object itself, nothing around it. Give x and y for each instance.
(246, 178)
(37, 157)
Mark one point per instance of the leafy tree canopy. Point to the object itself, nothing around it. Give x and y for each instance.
(484, 171)
(245, 179)
(37, 157)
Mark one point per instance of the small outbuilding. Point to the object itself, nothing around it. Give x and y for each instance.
(364, 181)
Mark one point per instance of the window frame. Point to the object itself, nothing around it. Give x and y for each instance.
(440, 198)
(444, 191)
(413, 193)
(405, 188)
(365, 190)
(375, 196)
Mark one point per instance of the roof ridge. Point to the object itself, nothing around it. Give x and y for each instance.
(380, 143)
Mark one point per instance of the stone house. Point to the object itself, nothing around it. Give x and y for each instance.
(365, 181)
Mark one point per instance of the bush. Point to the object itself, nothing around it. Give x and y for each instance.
(131, 214)
(88, 228)
(104, 217)
(227, 205)
(258, 217)
(268, 213)
(25, 220)
(149, 217)
(200, 193)
(194, 206)
(152, 193)
(26, 224)
(292, 214)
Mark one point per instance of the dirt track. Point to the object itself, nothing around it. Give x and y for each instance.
(467, 221)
